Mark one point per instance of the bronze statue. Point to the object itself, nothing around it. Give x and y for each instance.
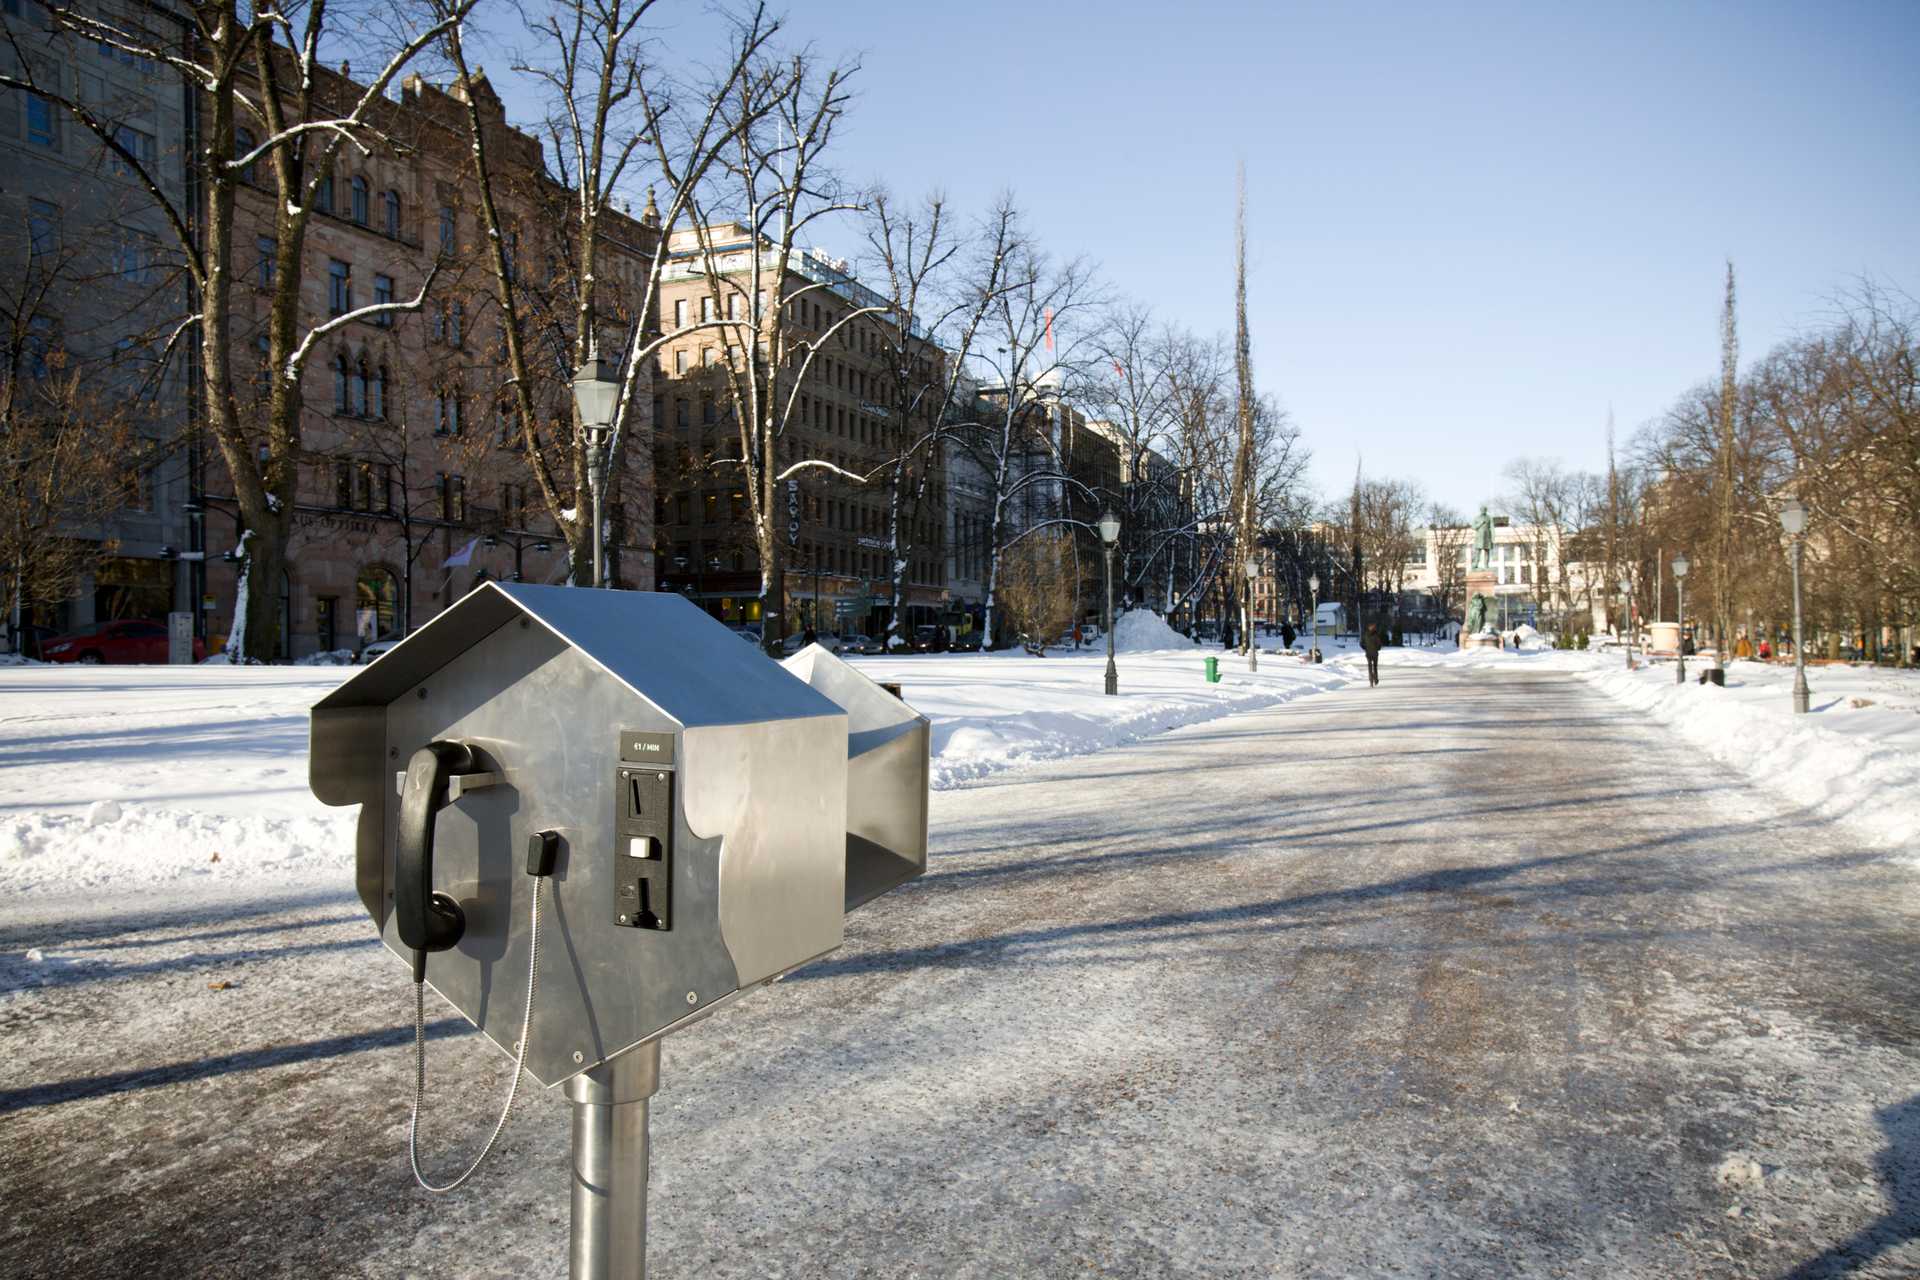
(1476, 614)
(1482, 539)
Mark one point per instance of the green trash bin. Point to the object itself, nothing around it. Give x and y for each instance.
(1213, 671)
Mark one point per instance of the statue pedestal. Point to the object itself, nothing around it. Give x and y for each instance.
(1482, 582)
(1480, 642)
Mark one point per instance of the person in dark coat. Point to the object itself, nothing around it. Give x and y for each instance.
(1286, 635)
(1371, 643)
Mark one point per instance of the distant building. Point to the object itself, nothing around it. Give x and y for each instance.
(836, 533)
(92, 282)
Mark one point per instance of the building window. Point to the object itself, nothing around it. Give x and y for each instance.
(360, 381)
(243, 144)
(323, 194)
(43, 225)
(342, 397)
(680, 361)
(376, 601)
(268, 251)
(457, 324)
(360, 200)
(339, 286)
(680, 413)
(377, 394)
(437, 321)
(383, 293)
(447, 406)
(43, 126)
(390, 213)
(453, 498)
(679, 313)
(447, 229)
(343, 483)
(706, 307)
(513, 505)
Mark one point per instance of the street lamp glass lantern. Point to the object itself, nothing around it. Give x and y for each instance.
(1253, 570)
(596, 390)
(1109, 527)
(1680, 566)
(1793, 517)
(1313, 583)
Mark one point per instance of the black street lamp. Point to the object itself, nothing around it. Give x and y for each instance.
(1680, 567)
(1793, 518)
(1313, 647)
(1109, 527)
(519, 545)
(1626, 590)
(1253, 641)
(596, 393)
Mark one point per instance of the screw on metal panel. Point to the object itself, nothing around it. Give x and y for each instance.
(523, 624)
(692, 998)
(393, 753)
(423, 694)
(579, 1056)
(660, 777)
(623, 919)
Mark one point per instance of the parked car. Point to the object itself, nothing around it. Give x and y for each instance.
(129, 640)
(378, 647)
(966, 642)
(932, 638)
(862, 644)
(750, 634)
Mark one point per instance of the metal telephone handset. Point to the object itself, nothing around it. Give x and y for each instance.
(426, 920)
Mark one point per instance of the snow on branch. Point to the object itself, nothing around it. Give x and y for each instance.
(319, 331)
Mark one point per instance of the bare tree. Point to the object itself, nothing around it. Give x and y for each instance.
(940, 285)
(262, 68)
(1037, 587)
(613, 114)
(1243, 460)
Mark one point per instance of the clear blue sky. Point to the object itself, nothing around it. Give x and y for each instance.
(1471, 227)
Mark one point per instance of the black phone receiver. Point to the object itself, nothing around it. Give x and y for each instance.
(426, 921)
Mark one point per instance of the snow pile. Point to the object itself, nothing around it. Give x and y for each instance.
(18, 660)
(1144, 631)
(329, 658)
(143, 845)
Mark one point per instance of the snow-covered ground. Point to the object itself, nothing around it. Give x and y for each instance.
(116, 776)
(1854, 756)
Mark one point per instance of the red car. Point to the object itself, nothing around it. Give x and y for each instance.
(134, 640)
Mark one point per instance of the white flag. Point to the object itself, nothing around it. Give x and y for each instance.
(463, 556)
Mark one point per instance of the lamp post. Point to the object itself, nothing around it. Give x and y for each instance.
(519, 546)
(1253, 642)
(1680, 567)
(1109, 528)
(1793, 518)
(1626, 590)
(596, 392)
(1313, 646)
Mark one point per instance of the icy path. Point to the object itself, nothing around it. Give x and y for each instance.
(1423, 980)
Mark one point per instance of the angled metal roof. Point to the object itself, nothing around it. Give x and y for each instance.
(673, 654)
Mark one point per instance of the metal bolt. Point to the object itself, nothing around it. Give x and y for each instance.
(423, 694)
(579, 1056)
(693, 997)
(623, 919)
(393, 753)
(660, 777)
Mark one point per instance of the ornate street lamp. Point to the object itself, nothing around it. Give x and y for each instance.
(1680, 566)
(1109, 527)
(1626, 590)
(1793, 519)
(596, 393)
(1253, 643)
(1313, 587)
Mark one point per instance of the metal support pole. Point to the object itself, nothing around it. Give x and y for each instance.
(1801, 696)
(609, 1234)
(597, 481)
(1680, 645)
(1113, 672)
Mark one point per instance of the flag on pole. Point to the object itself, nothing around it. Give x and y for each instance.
(463, 556)
(1049, 328)
(1118, 372)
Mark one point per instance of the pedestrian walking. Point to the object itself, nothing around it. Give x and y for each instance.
(1286, 635)
(1371, 643)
